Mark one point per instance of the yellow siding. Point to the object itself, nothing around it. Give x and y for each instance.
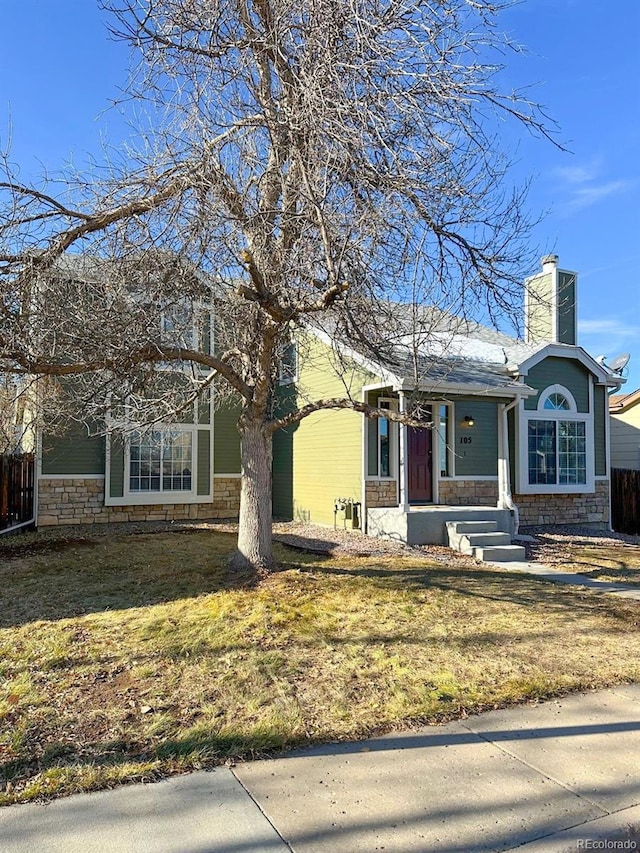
(327, 446)
(539, 321)
(625, 439)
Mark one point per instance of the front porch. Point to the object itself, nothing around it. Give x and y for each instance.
(427, 525)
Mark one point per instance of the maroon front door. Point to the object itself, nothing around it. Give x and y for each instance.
(420, 479)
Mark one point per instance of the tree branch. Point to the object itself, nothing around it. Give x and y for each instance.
(346, 403)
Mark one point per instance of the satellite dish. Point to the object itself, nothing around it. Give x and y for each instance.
(619, 363)
(601, 359)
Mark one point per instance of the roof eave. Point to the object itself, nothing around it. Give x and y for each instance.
(474, 388)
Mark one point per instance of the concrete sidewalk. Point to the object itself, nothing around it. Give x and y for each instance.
(542, 776)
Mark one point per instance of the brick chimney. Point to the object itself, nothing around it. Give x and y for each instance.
(550, 305)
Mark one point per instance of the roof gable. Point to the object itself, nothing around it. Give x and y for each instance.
(568, 351)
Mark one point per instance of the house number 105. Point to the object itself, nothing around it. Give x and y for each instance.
(466, 439)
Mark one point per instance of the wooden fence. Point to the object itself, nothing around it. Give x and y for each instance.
(625, 500)
(17, 476)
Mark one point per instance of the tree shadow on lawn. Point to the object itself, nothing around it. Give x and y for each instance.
(58, 577)
(491, 584)
(618, 564)
(193, 750)
(52, 579)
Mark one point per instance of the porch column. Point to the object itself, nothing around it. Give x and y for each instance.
(505, 498)
(403, 457)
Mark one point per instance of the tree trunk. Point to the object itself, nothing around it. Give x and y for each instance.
(254, 529)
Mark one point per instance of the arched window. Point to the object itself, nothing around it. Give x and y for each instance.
(557, 401)
(557, 441)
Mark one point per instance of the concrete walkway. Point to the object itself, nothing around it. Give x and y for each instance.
(532, 568)
(549, 777)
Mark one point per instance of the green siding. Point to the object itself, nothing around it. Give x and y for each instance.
(203, 478)
(539, 320)
(116, 480)
(285, 401)
(226, 440)
(476, 447)
(73, 453)
(283, 473)
(566, 308)
(562, 371)
(601, 413)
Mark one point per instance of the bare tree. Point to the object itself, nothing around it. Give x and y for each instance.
(311, 162)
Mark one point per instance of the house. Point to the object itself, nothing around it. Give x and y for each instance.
(625, 430)
(185, 468)
(519, 429)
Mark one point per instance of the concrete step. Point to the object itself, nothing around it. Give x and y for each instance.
(500, 553)
(471, 526)
(468, 542)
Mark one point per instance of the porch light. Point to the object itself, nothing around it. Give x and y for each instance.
(468, 421)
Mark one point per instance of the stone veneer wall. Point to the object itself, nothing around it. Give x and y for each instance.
(81, 501)
(381, 493)
(589, 508)
(468, 492)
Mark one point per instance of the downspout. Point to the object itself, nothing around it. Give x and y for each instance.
(607, 451)
(37, 470)
(505, 498)
(364, 467)
(403, 496)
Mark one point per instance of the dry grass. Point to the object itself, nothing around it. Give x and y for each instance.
(135, 656)
(615, 562)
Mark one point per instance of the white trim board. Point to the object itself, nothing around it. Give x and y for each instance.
(72, 476)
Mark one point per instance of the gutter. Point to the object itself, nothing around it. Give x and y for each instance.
(475, 388)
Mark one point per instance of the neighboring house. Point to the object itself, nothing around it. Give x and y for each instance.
(16, 430)
(519, 426)
(625, 430)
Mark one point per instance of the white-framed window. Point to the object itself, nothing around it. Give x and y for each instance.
(187, 324)
(383, 443)
(178, 324)
(160, 464)
(444, 426)
(161, 460)
(288, 364)
(556, 445)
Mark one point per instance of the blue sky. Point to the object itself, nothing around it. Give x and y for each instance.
(59, 70)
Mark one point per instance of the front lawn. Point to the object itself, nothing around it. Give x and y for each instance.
(135, 656)
(613, 561)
